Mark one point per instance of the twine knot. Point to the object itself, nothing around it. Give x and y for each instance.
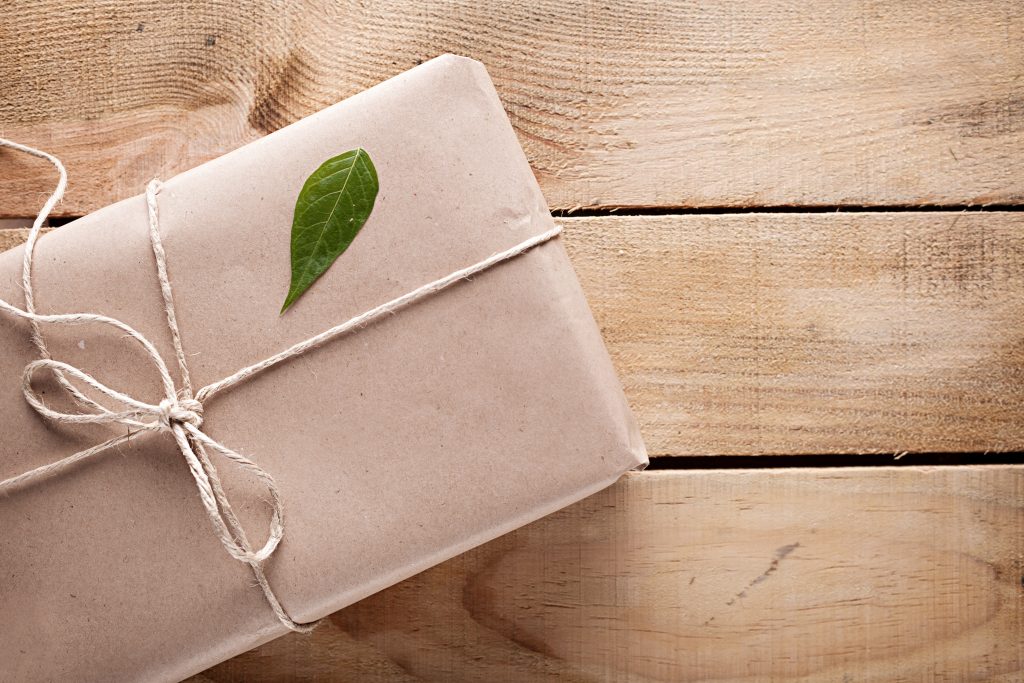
(184, 411)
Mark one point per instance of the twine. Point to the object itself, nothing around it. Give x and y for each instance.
(180, 411)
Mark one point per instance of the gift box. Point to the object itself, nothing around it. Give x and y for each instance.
(396, 446)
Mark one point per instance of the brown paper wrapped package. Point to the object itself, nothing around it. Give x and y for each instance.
(395, 447)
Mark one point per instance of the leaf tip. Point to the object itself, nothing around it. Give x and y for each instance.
(288, 301)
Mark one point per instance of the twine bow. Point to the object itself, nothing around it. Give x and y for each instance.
(180, 412)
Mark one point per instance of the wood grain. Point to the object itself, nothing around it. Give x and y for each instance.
(821, 575)
(640, 103)
(810, 333)
(12, 236)
(813, 333)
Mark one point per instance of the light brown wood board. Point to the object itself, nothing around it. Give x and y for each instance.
(11, 237)
(735, 334)
(811, 575)
(640, 103)
(753, 334)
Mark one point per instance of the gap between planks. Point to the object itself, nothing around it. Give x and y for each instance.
(57, 221)
(725, 210)
(831, 461)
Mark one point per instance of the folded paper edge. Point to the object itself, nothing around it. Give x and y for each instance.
(632, 450)
(633, 457)
(439, 61)
(396, 577)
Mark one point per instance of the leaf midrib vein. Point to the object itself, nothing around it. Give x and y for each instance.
(341, 191)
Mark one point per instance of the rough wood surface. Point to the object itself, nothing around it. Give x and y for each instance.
(866, 575)
(617, 103)
(811, 333)
(734, 334)
(11, 236)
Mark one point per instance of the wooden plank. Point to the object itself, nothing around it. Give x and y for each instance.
(13, 235)
(617, 103)
(812, 333)
(885, 574)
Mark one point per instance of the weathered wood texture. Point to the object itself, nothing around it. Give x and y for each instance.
(11, 236)
(817, 575)
(811, 333)
(639, 103)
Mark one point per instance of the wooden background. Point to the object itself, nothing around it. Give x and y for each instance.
(798, 226)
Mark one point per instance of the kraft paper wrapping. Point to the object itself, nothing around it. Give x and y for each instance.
(395, 448)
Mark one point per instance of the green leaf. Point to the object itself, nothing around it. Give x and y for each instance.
(332, 207)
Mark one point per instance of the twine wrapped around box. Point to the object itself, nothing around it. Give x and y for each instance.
(180, 412)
